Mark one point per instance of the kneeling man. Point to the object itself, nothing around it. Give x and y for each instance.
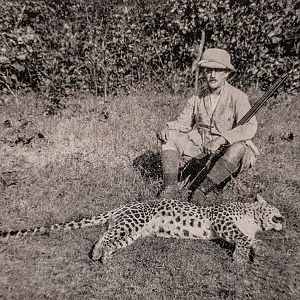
(206, 123)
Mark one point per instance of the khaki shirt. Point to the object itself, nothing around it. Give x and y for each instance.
(202, 124)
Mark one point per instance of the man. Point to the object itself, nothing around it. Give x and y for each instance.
(206, 124)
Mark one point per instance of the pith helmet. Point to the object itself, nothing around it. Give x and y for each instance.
(215, 58)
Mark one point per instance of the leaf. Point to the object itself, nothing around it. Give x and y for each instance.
(4, 60)
(21, 57)
(18, 67)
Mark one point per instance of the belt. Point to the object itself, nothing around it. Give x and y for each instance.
(200, 126)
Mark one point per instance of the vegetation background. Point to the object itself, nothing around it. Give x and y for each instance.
(84, 87)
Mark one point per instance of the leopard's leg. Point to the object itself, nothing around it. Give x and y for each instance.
(242, 250)
(231, 233)
(110, 242)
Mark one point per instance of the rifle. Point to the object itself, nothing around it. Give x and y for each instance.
(252, 111)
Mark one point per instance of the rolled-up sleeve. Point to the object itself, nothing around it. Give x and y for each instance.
(184, 121)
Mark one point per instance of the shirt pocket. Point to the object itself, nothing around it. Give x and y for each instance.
(225, 122)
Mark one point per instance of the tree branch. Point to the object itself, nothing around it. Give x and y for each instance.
(195, 66)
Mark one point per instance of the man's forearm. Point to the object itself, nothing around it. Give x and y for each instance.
(240, 133)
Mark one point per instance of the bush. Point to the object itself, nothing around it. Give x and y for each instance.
(58, 47)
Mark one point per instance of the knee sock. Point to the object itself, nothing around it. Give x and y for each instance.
(221, 170)
(170, 164)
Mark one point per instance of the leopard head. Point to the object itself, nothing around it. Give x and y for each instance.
(269, 216)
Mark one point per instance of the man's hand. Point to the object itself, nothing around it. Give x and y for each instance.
(212, 146)
(163, 134)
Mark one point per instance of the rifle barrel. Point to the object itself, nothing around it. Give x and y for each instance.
(262, 101)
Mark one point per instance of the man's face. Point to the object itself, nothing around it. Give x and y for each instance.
(215, 77)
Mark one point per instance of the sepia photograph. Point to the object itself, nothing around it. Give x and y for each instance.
(150, 149)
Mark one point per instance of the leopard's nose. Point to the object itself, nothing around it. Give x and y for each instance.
(278, 219)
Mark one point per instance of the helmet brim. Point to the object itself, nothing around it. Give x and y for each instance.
(215, 65)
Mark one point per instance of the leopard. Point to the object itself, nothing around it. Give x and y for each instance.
(234, 222)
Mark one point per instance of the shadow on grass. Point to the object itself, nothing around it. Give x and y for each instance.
(229, 248)
(149, 166)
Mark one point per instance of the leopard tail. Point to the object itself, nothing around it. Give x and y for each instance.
(46, 230)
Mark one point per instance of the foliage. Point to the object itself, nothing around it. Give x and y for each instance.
(58, 47)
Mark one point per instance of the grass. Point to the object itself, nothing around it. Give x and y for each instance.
(57, 168)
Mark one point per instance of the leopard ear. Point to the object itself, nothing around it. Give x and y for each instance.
(260, 199)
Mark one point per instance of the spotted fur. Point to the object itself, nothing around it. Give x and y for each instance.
(236, 223)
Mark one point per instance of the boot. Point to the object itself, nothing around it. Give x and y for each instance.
(221, 170)
(170, 164)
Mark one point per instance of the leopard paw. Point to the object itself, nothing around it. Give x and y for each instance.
(105, 257)
(97, 252)
(240, 264)
(259, 248)
(100, 254)
(241, 256)
(240, 259)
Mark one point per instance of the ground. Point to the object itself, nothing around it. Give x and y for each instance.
(61, 165)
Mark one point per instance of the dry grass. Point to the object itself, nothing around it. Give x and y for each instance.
(83, 164)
